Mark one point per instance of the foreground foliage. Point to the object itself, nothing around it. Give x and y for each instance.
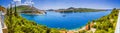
(107, 24)
(21, 25)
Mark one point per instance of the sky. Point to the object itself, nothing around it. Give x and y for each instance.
(61, 4)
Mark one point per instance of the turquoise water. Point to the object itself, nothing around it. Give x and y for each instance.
(65, 20)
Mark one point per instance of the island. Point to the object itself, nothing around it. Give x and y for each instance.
(72, 9)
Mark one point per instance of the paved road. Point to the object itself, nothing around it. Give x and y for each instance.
(0, 26)
(117, 30)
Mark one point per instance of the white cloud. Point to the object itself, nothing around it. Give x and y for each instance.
(28, 2)
(17, 0)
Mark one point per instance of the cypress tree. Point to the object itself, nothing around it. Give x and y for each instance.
(15, 13)
(10, 13)
(7, 12)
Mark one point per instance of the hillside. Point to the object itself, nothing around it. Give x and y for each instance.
(105, 24)
(72, 9)
(28, 9)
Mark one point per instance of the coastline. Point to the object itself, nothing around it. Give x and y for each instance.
(78, 29)
(33, 13)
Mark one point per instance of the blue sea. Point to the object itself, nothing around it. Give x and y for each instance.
(67, 21)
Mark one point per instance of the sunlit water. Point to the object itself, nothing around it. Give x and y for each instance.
(65, 20)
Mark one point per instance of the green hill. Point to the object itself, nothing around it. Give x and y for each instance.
(72, 9)
(28, 9)
(105, 24)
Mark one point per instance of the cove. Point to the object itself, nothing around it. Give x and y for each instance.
(68, 21)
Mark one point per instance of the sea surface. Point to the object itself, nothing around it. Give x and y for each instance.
(67, 21)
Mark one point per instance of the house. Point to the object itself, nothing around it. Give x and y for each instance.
(3, 27)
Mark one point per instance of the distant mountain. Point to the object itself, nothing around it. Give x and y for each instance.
(28, 9)
(50, 10)
(72, 9)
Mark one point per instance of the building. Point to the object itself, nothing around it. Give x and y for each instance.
(3, 27)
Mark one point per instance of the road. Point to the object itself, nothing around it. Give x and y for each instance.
(0, 26)
(117, 30)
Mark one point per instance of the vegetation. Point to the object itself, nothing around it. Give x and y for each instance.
(28, 9)
(72, 9)
(17, 24)
(25, 7)
(107, 24)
